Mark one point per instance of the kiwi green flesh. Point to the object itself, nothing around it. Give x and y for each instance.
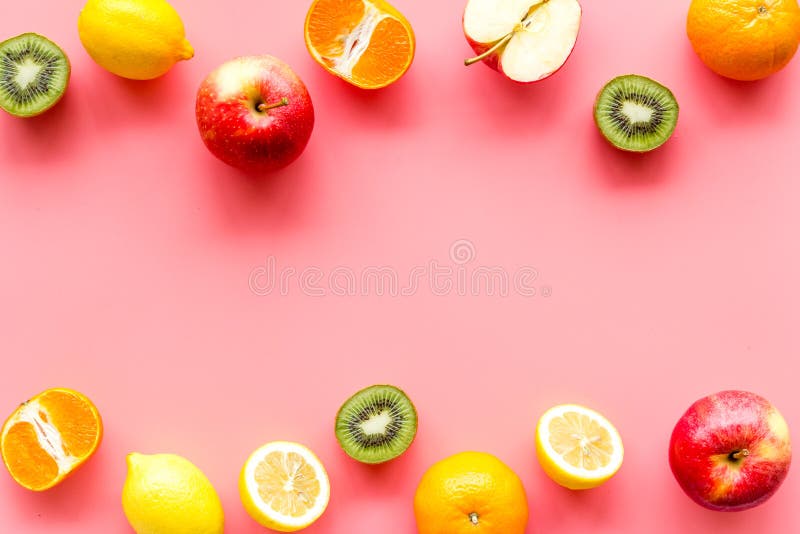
(34, 73)
(636, 113)
(377, 424)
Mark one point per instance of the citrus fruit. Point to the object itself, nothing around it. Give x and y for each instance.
(577, 447)
(470, 493)
(136, 39)
(744, 39)
(284, 486)
(167, 494)
(48, 437)
(365, 42)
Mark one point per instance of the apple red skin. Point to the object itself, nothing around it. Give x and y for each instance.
(238, 134)
(714, 428)
(493, 61)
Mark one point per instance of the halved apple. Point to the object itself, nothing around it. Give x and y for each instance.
(527, 40)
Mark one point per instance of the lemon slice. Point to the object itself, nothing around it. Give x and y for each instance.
(284, 486)
(577, 447)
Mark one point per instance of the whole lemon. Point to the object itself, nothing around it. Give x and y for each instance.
(167, 494)
(136, 39)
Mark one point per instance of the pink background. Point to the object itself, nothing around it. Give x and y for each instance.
(127, 250)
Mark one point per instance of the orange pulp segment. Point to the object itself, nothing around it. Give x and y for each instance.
(50, 436)
(365, 42)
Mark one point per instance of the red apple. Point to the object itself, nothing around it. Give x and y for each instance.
(527, 40)
(730, 451)
(254, 113)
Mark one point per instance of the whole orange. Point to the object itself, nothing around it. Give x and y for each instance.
(744, 39)
(470, 493)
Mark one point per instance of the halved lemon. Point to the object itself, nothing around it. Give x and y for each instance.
(577, 447)
(284, 486)
(368, 43)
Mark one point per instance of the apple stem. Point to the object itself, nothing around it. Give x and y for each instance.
(738, 455)
(499, 44)
(262, 107)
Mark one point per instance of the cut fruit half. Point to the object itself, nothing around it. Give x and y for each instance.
(50, 436)
(527, 40)
(577, 447)
(34, 73)
(365, 42)
(284, 486)
(377, 424)
(635, 113)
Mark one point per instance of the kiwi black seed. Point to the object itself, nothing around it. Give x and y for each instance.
(377, 424)
(635, 113)
(34, 73)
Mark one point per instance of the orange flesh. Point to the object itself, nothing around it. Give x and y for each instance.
(56, 427)
(387, 55)
(26, 460)
(77, 422)
(368, 43)
(328, 21)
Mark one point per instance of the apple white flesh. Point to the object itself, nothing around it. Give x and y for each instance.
(527, 40)
(730, 451)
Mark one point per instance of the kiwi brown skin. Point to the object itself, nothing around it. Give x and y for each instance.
(623, 148)
(413, 438)
(67, 75)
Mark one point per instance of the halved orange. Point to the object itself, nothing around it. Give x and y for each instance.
(50, 436)
(365, 42)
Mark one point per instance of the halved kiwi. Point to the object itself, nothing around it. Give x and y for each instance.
(635, 113)
(377, 424)
(34, 73)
